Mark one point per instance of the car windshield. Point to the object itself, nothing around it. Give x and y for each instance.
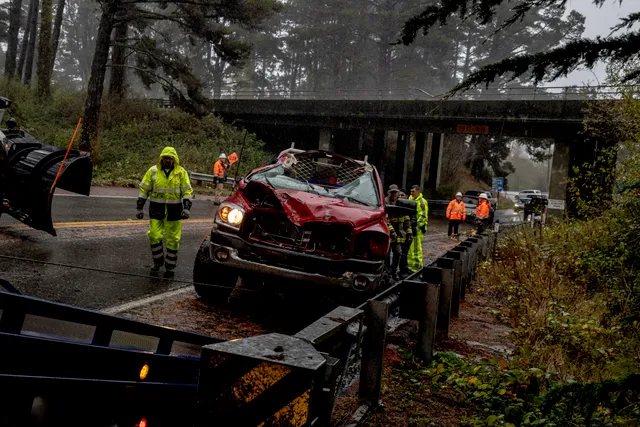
(361, 188)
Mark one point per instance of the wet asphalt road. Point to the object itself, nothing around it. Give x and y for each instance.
(100, 233)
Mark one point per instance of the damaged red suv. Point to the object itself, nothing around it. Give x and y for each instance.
(312, 219)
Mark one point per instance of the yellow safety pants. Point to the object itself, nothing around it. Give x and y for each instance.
(157, 230)
(414, 257)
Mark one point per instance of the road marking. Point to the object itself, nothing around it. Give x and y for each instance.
(145, 301)
(117, 223)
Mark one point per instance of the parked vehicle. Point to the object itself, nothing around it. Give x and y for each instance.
(312, 217)
(526, 194)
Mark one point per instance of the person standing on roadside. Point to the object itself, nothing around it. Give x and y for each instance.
(402, 227)
(414, 258)
(483, 213)
(220, 176)
(456, 213)
(169, 191)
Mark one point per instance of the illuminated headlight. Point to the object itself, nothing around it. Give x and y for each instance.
(232, 215)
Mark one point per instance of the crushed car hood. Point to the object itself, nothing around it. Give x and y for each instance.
(302, 207)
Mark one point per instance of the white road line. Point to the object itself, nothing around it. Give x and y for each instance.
(145, 301)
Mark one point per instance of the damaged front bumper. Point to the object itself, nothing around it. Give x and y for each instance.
(285, 265)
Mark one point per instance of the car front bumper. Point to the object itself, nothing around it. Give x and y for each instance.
(304, 269)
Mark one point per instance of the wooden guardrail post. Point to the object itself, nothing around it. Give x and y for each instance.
(375, 338)
(446, 294)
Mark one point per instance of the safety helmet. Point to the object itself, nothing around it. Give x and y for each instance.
(223, 156)
(483, 196)
(458, 194)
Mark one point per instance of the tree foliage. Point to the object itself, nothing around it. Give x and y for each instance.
(621, 47)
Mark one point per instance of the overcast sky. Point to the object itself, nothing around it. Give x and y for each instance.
(599, 22)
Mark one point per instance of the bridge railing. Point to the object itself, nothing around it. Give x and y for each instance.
(530, 93)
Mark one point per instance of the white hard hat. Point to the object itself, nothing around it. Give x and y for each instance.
(458, 194)
(483, 196)
(222, 156)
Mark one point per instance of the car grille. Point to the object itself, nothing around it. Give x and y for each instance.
(274, 228)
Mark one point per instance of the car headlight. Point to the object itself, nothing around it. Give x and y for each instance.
(231, 215)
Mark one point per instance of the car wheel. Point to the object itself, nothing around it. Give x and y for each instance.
(212, 281)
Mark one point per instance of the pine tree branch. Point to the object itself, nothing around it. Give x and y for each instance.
(558, 62)
(627, 23)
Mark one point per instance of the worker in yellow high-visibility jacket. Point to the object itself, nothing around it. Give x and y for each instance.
(414, 257)
(169, 191)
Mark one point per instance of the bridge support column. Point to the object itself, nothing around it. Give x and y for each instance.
(420, 159)
(326, 141)
(379, 153)
(560, 170)
(402, 160)
(436, 160)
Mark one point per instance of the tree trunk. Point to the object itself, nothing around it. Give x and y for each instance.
(12, 40)
(31, 50)
(117, 85)
(25, 40)
(43, 70)
(57, 27)
(90, 129)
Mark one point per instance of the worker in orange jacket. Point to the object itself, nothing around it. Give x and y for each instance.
(483, 212)
(456, 213)
(220, 176)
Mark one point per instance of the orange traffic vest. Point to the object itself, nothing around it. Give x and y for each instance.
(456, 211)
(483, 210)
(219, 169)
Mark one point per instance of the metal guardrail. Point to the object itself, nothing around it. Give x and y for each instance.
(203, 177)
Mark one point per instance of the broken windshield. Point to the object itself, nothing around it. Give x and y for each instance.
(361, 190)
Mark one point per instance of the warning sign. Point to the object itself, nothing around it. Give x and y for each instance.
(233, 157)
(556, 204)
(473, 129)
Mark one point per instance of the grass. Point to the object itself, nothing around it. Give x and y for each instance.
(133, 133)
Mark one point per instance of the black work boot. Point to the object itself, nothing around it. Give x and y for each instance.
(156, 267)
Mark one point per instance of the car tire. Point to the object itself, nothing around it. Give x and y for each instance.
(207, 272)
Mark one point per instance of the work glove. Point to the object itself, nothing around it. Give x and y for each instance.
(423, 229)
(186, 211)
(140, 206)
(409, 238)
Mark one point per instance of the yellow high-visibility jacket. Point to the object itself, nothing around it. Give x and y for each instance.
(166, 192)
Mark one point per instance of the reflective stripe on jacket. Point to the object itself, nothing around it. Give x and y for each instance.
(166, 193)
(422, 213)
(456, 210)
(483, 210)
(219, 169)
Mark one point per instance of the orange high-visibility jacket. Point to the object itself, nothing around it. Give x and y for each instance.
(219, 169)
(456, 210)
(483, 210)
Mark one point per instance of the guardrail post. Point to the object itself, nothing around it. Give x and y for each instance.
(458, 258)
(446, 294)
(375, 318)
(473, 255)
(427, 322)
(466, 269)
(265, 380)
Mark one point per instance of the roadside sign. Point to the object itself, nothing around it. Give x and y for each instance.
(494, 185)
(500, 184)
(233, 157)
(556, 204)
(473, 129)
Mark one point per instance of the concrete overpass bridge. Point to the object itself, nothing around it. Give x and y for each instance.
(358, 123)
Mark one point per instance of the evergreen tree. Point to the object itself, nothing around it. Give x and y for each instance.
(621, 47)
